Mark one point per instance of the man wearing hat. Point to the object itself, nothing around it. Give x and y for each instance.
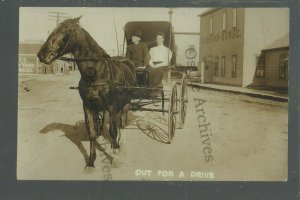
(138, 53)
(160, 58)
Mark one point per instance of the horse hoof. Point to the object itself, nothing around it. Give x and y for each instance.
(116, 163)
(89, 170)
(116, 151)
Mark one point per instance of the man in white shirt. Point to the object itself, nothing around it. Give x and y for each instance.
(160, 56)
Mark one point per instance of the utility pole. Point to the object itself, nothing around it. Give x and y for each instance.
(170, 40)
(58, 16)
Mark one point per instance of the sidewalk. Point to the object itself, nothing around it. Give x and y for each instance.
(271, 95)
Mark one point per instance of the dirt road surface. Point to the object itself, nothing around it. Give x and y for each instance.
(226, 137)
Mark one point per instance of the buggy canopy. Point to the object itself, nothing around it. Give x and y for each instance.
(149, 29)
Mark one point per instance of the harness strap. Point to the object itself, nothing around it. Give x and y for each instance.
(102, 82)
(80, 59)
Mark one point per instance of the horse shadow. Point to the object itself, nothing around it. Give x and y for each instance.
(77, 134)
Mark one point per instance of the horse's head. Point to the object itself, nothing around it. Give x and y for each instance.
(58, 41)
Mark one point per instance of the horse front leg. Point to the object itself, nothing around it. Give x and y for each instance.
(92, 128)
(124, 115)
(113, 128)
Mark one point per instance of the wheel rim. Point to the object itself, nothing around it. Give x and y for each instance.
(183, 101)
(172, 112)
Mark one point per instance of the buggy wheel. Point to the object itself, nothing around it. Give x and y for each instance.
(183, 100)
(172, 112)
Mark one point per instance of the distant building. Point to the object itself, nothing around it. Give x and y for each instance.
(272, 65)
(30, 64)
(28, 60)
(231, 41)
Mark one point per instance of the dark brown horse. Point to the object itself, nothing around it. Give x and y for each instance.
(102, 82)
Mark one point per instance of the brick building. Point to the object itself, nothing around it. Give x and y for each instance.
(231, 41)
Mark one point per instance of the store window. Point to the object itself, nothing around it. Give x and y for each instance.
(283, 66)
(260, 66)
(211, 25)
(234, 18)
(223, 58)
(209, 62)
(224, 20)
(216, 65)
(233, 68)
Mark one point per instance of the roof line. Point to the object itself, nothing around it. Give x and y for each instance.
(209, 11)
(276, 48)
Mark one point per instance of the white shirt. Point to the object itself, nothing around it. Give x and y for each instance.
(160, 53)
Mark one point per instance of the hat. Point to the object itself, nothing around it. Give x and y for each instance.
(160, 33)
(137, 34)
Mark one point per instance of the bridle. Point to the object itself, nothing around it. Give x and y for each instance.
(59, 55)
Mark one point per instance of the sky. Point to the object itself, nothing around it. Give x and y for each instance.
(35, 24)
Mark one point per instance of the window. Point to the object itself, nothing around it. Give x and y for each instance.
(223, 58)
(224, 19)
(211, 25)
(234, 18)
(233, 68)
(283, 66)
(209, 62)
(216, 66)
(260, 66)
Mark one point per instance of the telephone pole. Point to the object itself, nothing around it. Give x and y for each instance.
(170, 40)
(58, 16)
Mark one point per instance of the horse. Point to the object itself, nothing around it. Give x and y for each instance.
(103, 83)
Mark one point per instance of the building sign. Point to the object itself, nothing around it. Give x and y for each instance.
(28, 63)
(191, 52)
(187, 47)
(225, 35)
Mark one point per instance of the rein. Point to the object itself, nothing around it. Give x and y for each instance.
(82, 59)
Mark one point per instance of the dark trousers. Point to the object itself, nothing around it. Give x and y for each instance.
(156, 76)
(151, 77)
(142, 77)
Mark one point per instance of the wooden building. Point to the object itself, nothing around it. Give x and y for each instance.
(28, 60)
(272, 65)
(231, 40)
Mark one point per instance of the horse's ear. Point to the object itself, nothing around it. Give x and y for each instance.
(76, 20)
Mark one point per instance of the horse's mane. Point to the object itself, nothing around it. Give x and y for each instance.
(96, 46)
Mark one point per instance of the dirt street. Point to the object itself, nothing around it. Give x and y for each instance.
(226, 137)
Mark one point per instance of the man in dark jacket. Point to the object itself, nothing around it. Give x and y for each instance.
(138, 53)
